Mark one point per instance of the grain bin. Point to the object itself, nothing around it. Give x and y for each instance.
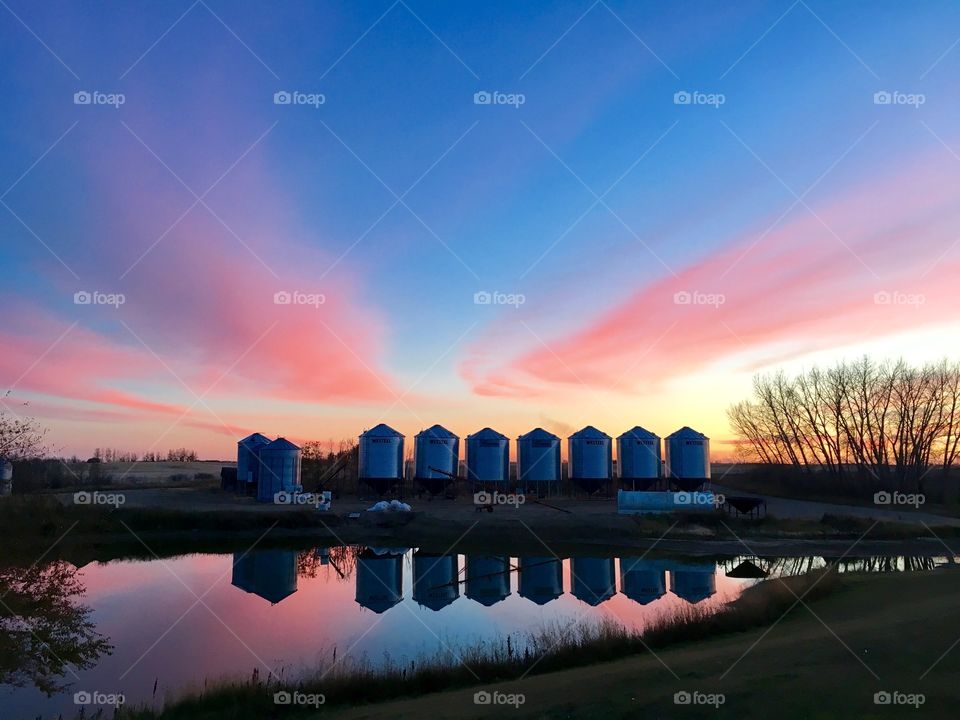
(270, 574)
(279, 470)
(248, 463)
(590, 459)
(694, 582)
(436, 458)
(538, 459)
(379, 579)
(643, 581)
(639, 459)
(688, 459)
(488, 579)
(541, 579)
(380, 458)
(435, 580)
(6, 477)
(593, 580)
(488, 457)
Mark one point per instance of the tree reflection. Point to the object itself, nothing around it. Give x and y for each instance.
(44, 631)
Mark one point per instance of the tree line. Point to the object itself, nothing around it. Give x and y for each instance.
(887, 421)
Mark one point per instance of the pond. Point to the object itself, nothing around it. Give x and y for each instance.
(178, 622)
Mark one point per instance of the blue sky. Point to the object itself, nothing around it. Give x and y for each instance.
(302, 197)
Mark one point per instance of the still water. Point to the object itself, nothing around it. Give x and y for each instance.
(174, 623)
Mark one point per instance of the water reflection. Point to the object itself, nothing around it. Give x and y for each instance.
(379, 578)
(643, 581)
(541, 579)
(44, 632)
(436, 581)
(270, 574)
(694, 582)
(297, 604)
(488, 579)
(594, 579)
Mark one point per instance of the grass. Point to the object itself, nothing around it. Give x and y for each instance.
(353, 681)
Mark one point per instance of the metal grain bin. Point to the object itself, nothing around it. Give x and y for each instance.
(488, 457)
(379, 579)
(436, 458)
(639, 459)
(248, 464)
(436, 580)
(692, 582)
(593, 580)
(688, 459)
(279, 469)
(6, 477)
(590, 458)
(538, 458)
(488, 579)
(380, 459)
(541, 579)
(643, 581)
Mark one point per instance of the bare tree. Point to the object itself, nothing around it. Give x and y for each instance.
(887, 422)
(21, 438)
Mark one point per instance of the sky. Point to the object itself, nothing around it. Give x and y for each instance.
(307, 218)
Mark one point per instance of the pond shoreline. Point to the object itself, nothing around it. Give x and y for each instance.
(201, 523)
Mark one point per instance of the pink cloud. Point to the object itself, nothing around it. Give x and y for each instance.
(801, 284)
